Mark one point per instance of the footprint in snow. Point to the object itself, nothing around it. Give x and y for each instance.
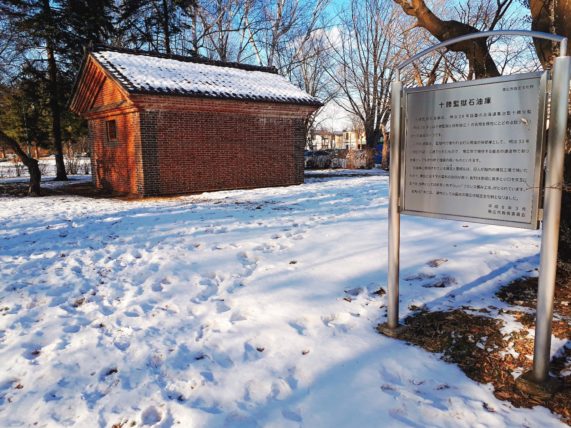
(222, 307)
(292, 415)
(212, 287)
(340, 321)
(32, 351)
(400, 413)
(249, 262)
(238, 316)
(122, 343)
(52, 396)
(208, 376)
(106, 373)
(267, 248)
(436, 263)
(298, 235)
(107, 310)
(442, 282)
(299, 326)
(213, 408)
(253, 352)
(6, 386)
(71, 328)
(419, 276)
(151, 416)
(390, 390)
(280, 389)
(158, 287)
(223, 360)
(257, 390)
(181, 390)
(235, 419)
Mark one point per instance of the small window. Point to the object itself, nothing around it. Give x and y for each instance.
(111, 130)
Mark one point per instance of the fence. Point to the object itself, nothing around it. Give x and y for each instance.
(349, 159)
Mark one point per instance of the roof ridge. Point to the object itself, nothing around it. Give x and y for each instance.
(194, 59)
(142, 72)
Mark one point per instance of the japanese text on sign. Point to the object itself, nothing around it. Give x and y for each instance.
(471, 151)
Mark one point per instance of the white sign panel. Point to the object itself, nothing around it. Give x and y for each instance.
(472, 150)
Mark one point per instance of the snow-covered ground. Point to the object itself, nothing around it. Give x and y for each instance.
(239, 309)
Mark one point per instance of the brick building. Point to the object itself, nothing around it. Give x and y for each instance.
(165, 125)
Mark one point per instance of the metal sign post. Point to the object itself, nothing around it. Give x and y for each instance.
(551, 217)
(538, 380)
(394, 216)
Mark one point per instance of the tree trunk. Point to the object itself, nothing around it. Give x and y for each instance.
(166, 26)
(54, 95)
(385, 154)
(476, 51)
(554, 17)
(32, 164)
(550, 16)
(372, 135)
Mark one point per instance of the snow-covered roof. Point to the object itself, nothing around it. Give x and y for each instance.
(144, 72)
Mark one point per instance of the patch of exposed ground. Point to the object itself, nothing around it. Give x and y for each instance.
(87, 189)
(473, 340)
(523, 293)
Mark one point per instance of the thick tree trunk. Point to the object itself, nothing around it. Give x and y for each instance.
(551, 16)
(31, 164)
(476, 51)
(56, 117)
(54, 95)
(372, 136)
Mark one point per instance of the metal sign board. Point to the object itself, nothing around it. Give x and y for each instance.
(473, 150)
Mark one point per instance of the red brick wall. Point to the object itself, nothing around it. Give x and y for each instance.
(199, 145)
(109, 94)
(171, 145)
(116, 165)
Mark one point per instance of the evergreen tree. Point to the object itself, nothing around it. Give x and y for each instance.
(51, 35)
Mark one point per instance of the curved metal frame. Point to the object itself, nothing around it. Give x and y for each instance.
(552, 195)
(485, 34)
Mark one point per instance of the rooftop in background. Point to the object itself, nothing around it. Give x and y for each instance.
(153, 73)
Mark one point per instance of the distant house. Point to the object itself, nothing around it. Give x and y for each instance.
(164, 125)
(326, 140)
(354, 140)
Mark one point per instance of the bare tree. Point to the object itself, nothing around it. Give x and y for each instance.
(225, 30)
(280, 24)
(220, 21)
(365, 52)
(307, 69)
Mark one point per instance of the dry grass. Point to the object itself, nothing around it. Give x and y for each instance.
(472, 339)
